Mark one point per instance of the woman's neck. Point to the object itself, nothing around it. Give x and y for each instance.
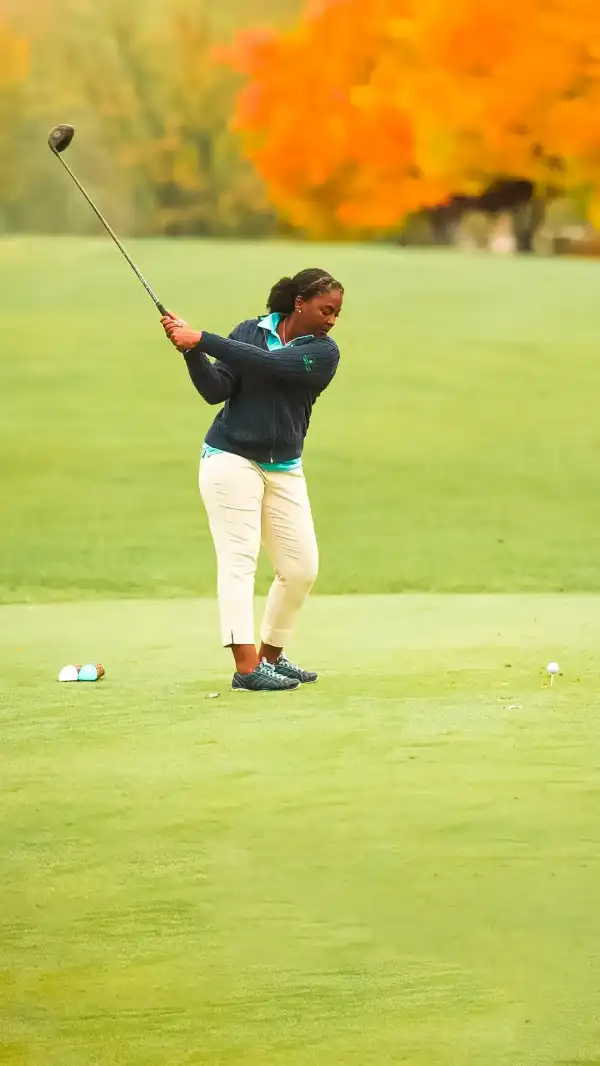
(289, 327)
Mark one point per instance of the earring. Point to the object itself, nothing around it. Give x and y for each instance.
(299, 309)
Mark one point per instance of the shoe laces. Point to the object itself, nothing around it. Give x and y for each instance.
(288, 662)
(268, 668)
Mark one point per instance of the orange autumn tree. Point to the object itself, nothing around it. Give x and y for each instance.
(365, 112)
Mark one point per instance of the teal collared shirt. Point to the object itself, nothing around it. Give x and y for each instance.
(270, 324)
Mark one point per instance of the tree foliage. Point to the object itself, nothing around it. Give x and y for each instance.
(14, 71)
(152, 115)
(365, 112)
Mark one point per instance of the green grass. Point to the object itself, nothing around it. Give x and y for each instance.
(399, 865)
(457, 449)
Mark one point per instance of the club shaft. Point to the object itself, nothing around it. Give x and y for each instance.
(112, 233)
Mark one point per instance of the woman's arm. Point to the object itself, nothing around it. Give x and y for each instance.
(214, 381)
(310, 360)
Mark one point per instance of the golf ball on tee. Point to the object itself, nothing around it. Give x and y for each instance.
(553, 668)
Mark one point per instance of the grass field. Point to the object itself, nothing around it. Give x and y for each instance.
(456, 451)
(399, 865)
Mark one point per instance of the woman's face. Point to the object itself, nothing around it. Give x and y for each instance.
(319, 314)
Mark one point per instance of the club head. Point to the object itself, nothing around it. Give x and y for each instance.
(60, 137)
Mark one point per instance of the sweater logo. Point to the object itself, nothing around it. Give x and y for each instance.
(307, 363)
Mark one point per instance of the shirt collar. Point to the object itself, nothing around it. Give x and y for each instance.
(270, 322)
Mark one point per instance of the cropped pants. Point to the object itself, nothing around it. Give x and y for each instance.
(247, 506)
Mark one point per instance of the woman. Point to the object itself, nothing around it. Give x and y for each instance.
(268, 374)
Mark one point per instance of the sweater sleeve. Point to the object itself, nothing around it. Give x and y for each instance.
(214, 381)
(309, 360)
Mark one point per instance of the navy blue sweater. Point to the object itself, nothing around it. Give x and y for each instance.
(268, 395)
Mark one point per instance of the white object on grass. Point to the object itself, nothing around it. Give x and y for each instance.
(553, 669)
(69, 673)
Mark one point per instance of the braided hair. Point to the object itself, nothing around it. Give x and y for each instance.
(306, 284)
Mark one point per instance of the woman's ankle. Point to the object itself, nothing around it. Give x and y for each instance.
(246, 658)
(269, 652)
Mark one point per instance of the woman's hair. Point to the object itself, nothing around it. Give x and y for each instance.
(308, 283)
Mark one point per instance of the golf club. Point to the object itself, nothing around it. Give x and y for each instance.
(59, 139)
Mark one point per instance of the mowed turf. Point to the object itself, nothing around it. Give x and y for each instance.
(457, 449)
(399, 865)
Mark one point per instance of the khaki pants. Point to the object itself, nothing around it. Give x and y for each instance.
(247, 505)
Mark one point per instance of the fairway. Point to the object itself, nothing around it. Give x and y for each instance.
(457, 449)
(398, 865)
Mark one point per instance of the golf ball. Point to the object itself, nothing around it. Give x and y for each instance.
(552, 668)
(69, 673)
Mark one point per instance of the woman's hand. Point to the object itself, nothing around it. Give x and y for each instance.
(179, 333)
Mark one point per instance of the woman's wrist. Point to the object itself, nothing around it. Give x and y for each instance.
(194, 338)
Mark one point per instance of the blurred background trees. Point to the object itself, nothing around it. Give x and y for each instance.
(14, 75)
(414, 105)
(335, 119)
(152, 113)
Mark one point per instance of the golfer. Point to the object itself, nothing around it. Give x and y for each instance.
(267, 374)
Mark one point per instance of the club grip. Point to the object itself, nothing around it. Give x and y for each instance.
(162, 310)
